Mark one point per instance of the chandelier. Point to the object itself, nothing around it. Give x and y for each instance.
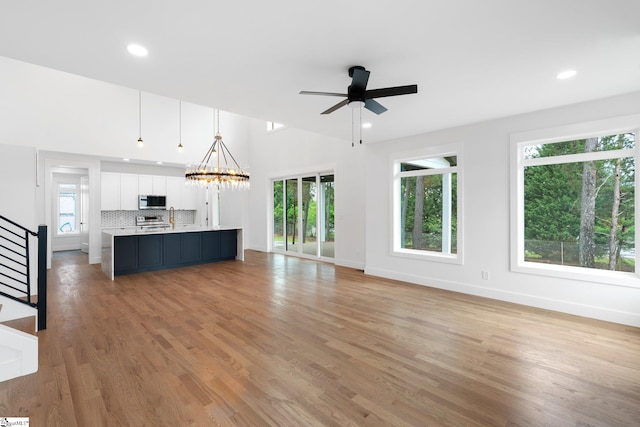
(224, 176)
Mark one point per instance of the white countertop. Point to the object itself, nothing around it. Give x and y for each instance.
(133, 231)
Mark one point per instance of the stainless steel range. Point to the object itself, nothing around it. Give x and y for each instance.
(151, 222)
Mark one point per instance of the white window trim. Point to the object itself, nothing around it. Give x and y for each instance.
(426, 152)
(518, 141)
(273, 128)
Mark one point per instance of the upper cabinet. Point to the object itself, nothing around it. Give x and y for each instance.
(152, 184)
(110, 191)
(120, 191)
(128, 192)
(174, 192)
(145, 184)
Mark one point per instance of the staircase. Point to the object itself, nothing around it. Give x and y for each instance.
(21, 316)
(18, 347)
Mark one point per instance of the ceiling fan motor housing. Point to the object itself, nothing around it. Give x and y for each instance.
(357, 89)
(359, 67)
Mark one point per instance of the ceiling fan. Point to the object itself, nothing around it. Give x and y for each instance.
(357, 92)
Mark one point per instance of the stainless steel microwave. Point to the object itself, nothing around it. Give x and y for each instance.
(147, 201)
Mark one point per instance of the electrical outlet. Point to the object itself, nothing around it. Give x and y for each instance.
(485, 275)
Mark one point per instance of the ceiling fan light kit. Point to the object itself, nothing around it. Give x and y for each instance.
(358, 96)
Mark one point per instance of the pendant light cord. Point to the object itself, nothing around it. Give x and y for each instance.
(140, 114)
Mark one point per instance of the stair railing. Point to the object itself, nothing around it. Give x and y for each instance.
(15, 266)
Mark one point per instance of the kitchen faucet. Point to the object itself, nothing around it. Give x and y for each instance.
(172, 217)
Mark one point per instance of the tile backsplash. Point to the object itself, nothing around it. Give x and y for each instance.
(128, 218)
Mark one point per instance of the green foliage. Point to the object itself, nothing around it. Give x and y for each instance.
(552, 194)
(432, 220)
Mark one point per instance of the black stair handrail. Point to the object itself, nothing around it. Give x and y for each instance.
(16, 266)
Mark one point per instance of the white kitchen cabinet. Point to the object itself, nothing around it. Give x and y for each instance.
(159, 185)
(175, 187)
(110, 191)
(128, 192)
(145, 184)
(152, 184)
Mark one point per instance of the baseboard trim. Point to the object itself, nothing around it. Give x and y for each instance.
(350, 264)
(625, 318)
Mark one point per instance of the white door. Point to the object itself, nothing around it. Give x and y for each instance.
(84, 214)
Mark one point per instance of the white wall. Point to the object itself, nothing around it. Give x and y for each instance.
(486, 156)
(17, 193)
(18, 184)
(286, 152)
(234, 204)
(76, 121)
(57, 111)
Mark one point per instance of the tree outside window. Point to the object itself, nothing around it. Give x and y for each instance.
(426, 196)
(579, 202)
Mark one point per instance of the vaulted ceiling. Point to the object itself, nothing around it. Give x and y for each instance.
(472, 60)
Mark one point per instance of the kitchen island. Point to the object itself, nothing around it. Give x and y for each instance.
(136, 250)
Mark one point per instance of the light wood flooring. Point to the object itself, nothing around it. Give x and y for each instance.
(283, 341)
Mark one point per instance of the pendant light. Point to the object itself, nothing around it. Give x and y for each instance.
(224, 176)
(140, 141)
(356, 121)
(180, 147)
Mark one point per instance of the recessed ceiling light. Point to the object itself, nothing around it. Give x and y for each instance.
(137, 50)
(158, 163)
(125, 160)
(366, 125)
(567, 74)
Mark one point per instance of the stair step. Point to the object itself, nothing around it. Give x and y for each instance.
(25, 324)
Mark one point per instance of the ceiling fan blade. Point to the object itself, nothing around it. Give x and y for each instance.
(391, 91)
(374, 106)
(308, 92)
(335, 107)
(359, 80)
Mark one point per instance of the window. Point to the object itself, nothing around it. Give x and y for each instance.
(67, 209)
(426, 206)
(303, 215)
(576, 202)
(273, 126)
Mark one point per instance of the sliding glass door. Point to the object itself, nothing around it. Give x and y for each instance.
(291, 223)
(326, 236)
(308, 212)
(303, 215)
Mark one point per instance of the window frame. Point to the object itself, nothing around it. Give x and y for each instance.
(396, 159)
(598, 128)
(59, 191)
(274, 126)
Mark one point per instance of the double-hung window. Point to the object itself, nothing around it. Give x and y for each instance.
(575, 201)
(426, 205)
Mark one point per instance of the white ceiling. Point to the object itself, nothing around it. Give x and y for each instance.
(472, 60)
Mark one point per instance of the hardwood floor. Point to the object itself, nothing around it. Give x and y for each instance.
(285, 341)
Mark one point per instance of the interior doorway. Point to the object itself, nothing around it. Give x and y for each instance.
(67, 165)
(69, 209)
